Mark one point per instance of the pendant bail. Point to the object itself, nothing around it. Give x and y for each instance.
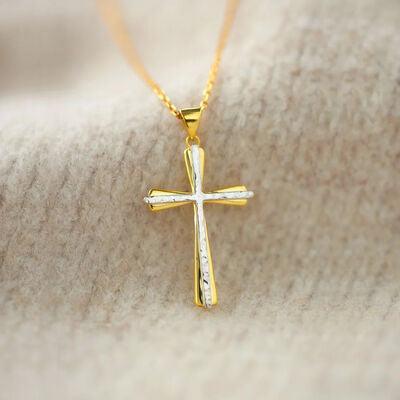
(191, 120)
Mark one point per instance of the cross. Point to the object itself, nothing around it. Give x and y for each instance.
(205, 290)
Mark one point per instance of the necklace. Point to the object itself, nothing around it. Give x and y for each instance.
(158, 199)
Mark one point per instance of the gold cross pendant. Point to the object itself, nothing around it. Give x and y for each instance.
(205, 293)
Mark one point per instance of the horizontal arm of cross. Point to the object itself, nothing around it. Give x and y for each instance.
(172, 199)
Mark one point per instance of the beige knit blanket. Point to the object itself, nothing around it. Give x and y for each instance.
(96, 291)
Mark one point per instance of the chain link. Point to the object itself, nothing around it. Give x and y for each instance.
(113, 18)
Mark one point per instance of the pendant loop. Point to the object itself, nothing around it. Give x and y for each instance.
(191, 120)
(192, 140)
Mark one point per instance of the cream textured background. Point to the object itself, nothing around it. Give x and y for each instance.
(96, 291)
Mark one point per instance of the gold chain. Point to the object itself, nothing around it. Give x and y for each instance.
(113, 18)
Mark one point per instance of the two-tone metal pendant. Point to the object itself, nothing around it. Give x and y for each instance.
(205, 292)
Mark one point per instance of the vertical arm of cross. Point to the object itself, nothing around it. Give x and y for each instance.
(205, 289)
